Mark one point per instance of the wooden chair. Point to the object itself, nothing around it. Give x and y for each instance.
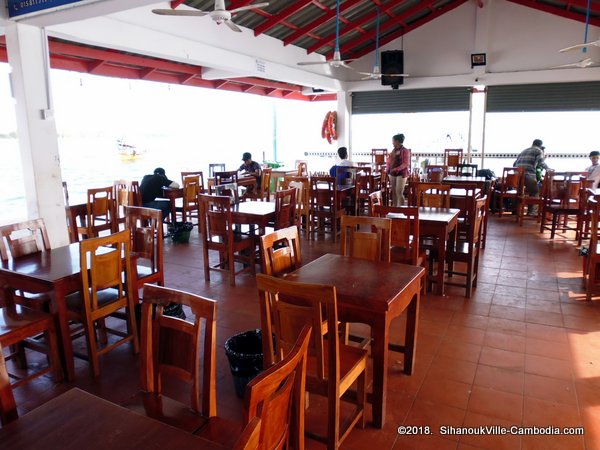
(20, 239)
(285, 208)
(264, 190)
(585, 214)
(250, 437)
(174, 348)
(524, 200)
(20, 327)
(432, 195)
(76, 216)
(280, 251)
(405, 235)
(363, 188)
(467, 251)
(561, 201)
(592, 266)
(197, 173)
(100, 212)
(8, 407)
(366, 237)
(332, 366)
(277, 396)
(217, 230)
(436, 173)
(379, 158)
(325, 210)
(107, 287)
(510, 187)
(452, 158)
(192, 186)
(302, 187)
(375, 199)
(226, 177)
(229, 190)
(214, 168)
(145, 227)
(467, 170)
(126, 193)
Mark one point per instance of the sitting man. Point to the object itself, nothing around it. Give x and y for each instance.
(594, 170)
(342, 173)
(151, 188)
(250, 167)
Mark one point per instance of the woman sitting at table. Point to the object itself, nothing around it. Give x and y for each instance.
(151, 188)
(398, 167)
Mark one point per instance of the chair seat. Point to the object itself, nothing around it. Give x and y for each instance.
(34, 301)
(166, 410)
(105, 297)
(352, 360)
(12, 325)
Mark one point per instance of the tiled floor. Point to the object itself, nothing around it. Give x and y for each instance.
(524, 351)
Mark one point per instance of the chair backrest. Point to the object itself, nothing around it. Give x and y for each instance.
(378, 157)
(280, 251)
(366, 237)
(436, 173)
(275, 393)
(302, 187)
(286, 307)
(101, 210)
(323, 192)
(512, 179)
(452, 158)
(405, 227)
(265, 184)
(302, 168)
(23, 238)
(250, 437)
(8, 407)
(594, 206)
(344, 175)
(76, 221)
(227, 190)
(126, 193)
(216, 223)
(171, 346)
(200, 176)
(467, 170)
(192, 186)
(145, 227)
(375, 198)
(215, 167)
(285, 208)
(475, 227)
(226, 177)
(432, 194)
(105, 263)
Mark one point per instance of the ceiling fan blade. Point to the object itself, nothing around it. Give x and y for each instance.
(246, 8)
(583, 63)
(578, 46)
(182, 12)
(232, 26)
(311, 63)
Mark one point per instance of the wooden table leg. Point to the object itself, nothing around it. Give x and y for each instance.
(59, 308)
(412, 326)
(441, 264)
(379, 353)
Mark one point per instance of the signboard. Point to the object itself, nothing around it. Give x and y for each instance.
(21, 7)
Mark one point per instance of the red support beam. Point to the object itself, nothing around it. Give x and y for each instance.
(176, 3)
(266, 83)
(185, 79)
(330, 14)
(220, 83)
(94, 65)
(567, 14)
(145, 73)
(269, 91)
(355, 25)
(281, 16)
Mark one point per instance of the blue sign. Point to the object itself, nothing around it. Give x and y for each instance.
(21, 7)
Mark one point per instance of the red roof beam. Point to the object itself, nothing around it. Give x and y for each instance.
(266, 83)
(355, 25)
(117, 57)
(94, 65)
(281, 16)
(176, 3)
(318, 22)
(560, 12)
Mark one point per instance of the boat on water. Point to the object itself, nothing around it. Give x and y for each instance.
(128, 152)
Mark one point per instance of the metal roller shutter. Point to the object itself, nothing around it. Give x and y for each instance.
(583, 96)
(410, 101)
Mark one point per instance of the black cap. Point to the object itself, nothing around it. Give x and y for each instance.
(594, 153)
(159, 171)
(538, 143)
(247, 156)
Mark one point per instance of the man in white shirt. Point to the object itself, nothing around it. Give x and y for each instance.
(594, 170)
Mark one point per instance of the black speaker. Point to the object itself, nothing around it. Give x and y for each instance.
(392, 61)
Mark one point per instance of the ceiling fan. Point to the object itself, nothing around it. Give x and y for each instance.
(587, 62)
(376, 73)
(336, 61)
(219, 14)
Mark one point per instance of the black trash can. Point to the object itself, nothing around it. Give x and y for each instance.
(244, 352)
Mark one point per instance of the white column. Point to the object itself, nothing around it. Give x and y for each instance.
(28, 58)
(344, 108)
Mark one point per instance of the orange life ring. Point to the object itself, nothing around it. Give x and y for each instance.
(324, 127)
(332, 125)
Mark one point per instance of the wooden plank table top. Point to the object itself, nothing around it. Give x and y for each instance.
(373, 293)
(78, 420)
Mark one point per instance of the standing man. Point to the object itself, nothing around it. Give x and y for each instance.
(151, 188)
(594, 170)
(398, 167)
(530, 159)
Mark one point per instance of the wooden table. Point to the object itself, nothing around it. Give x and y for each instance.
(373, 293)
(438, 223)
(172, 194)
(253, 213)
(479, 181)
(78, 420)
